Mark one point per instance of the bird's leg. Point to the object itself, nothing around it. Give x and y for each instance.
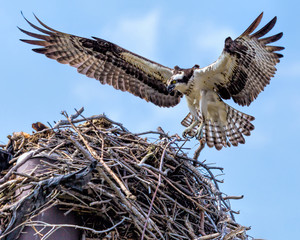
(199, 133)
(190, 128)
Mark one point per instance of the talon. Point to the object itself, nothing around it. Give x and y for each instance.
(185, 133)
(199, 133)
(189, 129)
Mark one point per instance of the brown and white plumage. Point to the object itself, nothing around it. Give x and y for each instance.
(237, 124)
(108, 63)
(246, 64)
(244, 68)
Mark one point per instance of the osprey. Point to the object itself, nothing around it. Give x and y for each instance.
(242, 71)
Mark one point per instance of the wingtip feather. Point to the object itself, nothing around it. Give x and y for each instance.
(264, 30)
(253, 25)
(35, 35)
(35, 42)
(40, 50)
(271, 39)
(44, 25)
(279, 55)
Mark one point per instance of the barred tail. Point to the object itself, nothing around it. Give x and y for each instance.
(218, 134)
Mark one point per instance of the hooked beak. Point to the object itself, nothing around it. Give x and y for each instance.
(170, 88)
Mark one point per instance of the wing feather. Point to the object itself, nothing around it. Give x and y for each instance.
(270, 39)
(267, 28)
(106, 62)
(253, 26)
(246, 64)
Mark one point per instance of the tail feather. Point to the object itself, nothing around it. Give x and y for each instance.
(233, 134)
(207, 135)
(229, 130)
(222, 134)
(214, 135)
(236, 121)
(219, 135)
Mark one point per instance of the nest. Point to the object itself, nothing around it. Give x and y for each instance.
(119, 184)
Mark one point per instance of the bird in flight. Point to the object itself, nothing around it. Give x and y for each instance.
(242, 71)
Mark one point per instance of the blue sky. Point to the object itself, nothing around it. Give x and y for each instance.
(265, 170)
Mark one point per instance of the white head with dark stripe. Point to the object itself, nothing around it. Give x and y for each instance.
(181, 78)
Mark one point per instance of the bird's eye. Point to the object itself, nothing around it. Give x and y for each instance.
(174, 82)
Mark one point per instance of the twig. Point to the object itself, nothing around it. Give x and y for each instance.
(155, 192)
(210, 236)
(100, 159)
(233, 197)
(198, 151)
(67, 122)
(45, 224)
(21, 161)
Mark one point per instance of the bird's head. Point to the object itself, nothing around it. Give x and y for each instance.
(180, 79)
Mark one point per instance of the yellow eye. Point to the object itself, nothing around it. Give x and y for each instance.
(174, 82)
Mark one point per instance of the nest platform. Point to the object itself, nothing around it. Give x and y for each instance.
(116, 184)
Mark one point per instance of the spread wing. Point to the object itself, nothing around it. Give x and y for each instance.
(108, 63)
(246, 64)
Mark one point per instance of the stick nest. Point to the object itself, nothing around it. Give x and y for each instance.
(121, 185)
